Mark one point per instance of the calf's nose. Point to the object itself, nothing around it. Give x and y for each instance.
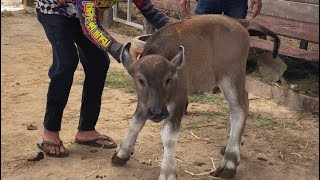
(158, 112)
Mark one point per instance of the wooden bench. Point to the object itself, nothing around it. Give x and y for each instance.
(297, 19)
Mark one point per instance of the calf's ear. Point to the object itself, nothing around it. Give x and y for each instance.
(125, 56)
(179, 58)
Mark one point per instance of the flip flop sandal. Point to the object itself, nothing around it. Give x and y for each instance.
(93, 142)
(41, 145)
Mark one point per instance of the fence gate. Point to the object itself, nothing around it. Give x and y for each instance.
(128, 20)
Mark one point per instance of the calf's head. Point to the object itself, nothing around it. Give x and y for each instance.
(155, 79)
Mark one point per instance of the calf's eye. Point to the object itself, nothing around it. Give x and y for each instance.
(141, 82)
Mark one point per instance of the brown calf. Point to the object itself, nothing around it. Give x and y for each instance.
(187, 57)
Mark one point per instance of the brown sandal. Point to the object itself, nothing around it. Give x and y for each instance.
(41, 145)
(93, 142)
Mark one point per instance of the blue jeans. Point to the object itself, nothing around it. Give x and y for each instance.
(232, 8)
(64, 34)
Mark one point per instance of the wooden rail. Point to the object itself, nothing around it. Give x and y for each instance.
(297, 19)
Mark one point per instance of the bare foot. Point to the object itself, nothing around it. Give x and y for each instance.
(94, 138)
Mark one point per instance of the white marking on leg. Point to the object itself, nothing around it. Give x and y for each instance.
(169, 137)
(237, 119)
(127, 144)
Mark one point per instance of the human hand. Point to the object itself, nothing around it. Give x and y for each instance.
(255, 7)
(61, 3)
(135, 53)
(185, 8)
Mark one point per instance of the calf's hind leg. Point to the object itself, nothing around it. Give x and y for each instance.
(237, 97)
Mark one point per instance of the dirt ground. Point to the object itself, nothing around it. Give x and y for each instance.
(278, 143)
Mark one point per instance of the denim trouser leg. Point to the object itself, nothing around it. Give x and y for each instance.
(232, 8)
(208, 7)
(64, 33)
(235, 8)
(95, 64)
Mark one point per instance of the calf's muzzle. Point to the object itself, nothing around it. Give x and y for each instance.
(157, 113)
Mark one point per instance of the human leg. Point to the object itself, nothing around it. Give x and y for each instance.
(208, 7)
(235, 8)
(59, 31)
(95, 63)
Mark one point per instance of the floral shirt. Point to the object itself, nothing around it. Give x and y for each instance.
(86, 11)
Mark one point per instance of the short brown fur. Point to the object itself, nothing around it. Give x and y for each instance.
(191, 56)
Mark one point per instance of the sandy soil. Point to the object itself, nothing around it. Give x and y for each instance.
(278, 143)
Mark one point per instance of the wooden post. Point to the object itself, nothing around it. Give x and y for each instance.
(106, 17)
(29, 6)
(304, 44)
(29, 3)
(147, 27)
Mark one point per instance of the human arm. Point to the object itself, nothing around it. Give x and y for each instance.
(255, 7)
(93, 30)
(185, 8)
(61, 3)
(153, 15)
(87, 13)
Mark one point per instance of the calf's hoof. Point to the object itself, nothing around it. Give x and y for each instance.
(224, 173)
(223, 150)
(117, 161)
(172, 176)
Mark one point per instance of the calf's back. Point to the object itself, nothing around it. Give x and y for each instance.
(215, 47)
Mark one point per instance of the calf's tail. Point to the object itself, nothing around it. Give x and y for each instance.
(256, 29)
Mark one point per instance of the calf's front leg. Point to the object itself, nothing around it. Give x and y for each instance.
(127, 145)
(169, 137)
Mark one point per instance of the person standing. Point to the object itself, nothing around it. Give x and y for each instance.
(232, 8)
(73, 29)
